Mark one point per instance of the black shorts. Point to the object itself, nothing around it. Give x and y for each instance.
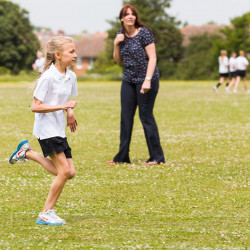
(233, 74)
(55, 144)
(224, 74)
(241, 73)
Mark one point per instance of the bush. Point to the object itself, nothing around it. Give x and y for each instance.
(4, 71)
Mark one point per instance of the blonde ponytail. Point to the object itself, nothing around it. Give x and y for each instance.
(55, 44)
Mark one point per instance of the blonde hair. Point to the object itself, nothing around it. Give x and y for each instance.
(55, 44)
(242, 53)
(223, 53)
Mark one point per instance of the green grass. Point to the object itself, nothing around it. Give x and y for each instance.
(198, 200)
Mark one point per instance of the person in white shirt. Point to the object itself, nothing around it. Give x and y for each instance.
(52, 91)
(233, 70)
(242, 64)
(223, 70)
(39, 62)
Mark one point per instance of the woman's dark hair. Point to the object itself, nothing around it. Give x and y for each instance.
(123, 13)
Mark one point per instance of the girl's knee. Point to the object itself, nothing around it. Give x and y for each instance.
(72, 174)
(67, 173)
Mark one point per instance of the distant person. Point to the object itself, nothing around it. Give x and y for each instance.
(134, 46)
(233, 70)
(223, 70)
(39, 62)
(242, 64)
(54, 87)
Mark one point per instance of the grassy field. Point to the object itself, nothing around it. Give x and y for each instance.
(198, 200)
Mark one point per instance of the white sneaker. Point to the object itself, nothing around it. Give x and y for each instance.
(215, 89)
(248, 92)
(20, 152)
(235, 91)
(49, 218)
(228, 91)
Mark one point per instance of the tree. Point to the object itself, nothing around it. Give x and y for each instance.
(167, 35)
(200, 58)
(18, 43)
(238, 34)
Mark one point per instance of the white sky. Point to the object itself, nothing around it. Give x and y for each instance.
(74, 16)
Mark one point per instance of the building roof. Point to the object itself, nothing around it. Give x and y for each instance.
(44, 36)
(91, 45)
(189, 31)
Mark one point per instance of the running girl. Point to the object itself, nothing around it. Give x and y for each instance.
(242, 64)
(233, 71)
(55, 86)
(223, 70)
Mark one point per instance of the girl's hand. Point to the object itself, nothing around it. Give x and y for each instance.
(119, 38)
(71, 120)
(69, 104)
(145, 86)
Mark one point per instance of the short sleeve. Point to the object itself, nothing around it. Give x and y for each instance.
(147, 37)
(41, 89)
(119, 32)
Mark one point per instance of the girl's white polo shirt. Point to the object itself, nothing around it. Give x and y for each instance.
(232, 64)
(53, 88)
(242, 63)
(223, 64)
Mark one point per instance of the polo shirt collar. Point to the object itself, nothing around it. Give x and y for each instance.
(59, 75)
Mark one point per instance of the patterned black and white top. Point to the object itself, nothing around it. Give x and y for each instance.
(134, 56)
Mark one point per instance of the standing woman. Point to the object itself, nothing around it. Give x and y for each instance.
(50, 102)
(223, 70)
(134, 47)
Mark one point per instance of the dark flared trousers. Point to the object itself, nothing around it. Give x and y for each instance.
(130, 99)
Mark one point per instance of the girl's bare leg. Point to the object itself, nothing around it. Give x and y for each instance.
(45, 162)
(221, 80)
(245, 83)
(236, 83)
(66, 170)
(231, 84)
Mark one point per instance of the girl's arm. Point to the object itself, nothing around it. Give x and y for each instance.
(116, 54)
(71, 120)
(226, 63)
(38, 107)
(152, 59)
